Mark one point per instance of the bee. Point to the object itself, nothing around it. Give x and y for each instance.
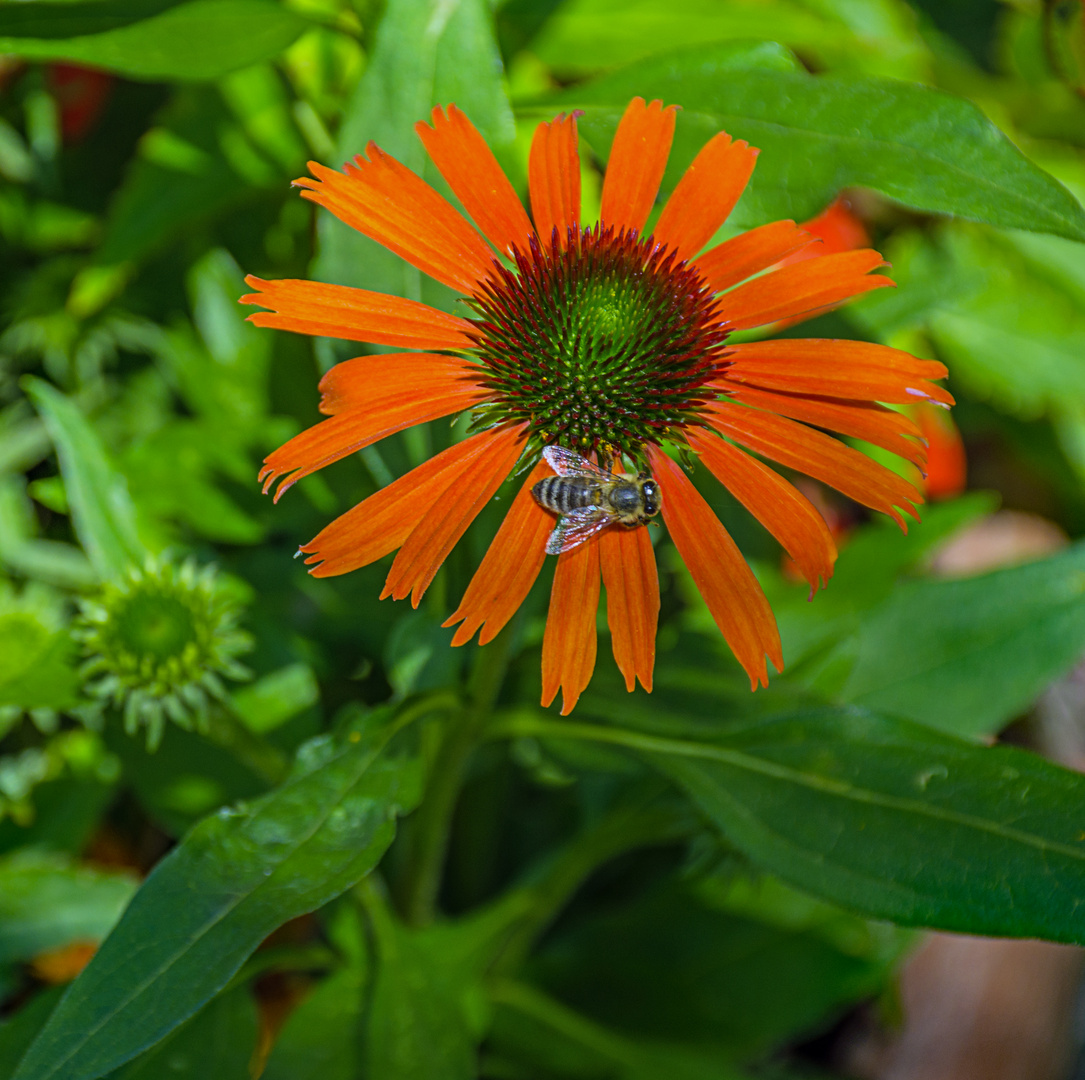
(590, 498)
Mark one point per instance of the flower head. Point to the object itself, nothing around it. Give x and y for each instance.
(159, 643)
(611, 341)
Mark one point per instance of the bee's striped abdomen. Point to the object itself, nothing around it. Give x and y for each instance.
(564, 493)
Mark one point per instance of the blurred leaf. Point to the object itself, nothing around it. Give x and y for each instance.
(428, 1009)
(878, 37)
(217, 1044)
(272, 700)
(36, 663)
(983, 298)
(23, 438)
(670, 968)
(426, 53)
(875, 558)
(236, 877)
(46, 903)
(151, 39)
(320, 1038)
(175, 475)
(196, 162)
(535, 1037)
(765, 898)
(967, 656)
(185, 779)
(886, 817)
(50, 561)
(102, 512)
(66, 813)
(222, 377)
(819, 134)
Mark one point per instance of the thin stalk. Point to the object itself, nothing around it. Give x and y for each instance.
(433, 820)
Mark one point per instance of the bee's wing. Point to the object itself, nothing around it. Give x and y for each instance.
(576, 527)
(566, 463)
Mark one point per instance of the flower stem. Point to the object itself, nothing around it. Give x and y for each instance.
(433, 821)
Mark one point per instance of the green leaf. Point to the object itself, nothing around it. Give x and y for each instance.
(46, 903)
(320, 1038)
(197, 161)
(426, 53)
(151, 39)
(982, 297)
(672, 968)
(874, 560)
(236, 877)
(535, 1036)
(428, 1011)
(36, 663)
(102, 512)
(217, 1044)
(19, 1031)
(269, 702)
(819, 134)
(877, 37)
(967, 656)
(185, 779)
(886, 817)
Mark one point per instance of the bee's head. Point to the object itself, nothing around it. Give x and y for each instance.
(649, 490)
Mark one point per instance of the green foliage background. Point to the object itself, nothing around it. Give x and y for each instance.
(686, 885)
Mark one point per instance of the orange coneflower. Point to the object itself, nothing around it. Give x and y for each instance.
(611, 342)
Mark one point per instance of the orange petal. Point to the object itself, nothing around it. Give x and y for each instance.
(381, 523)
(311, 307)
(803, 288)
(554, 179)
(705, 195)
(751, 252)
(569, 642)
(883, 427)
(719, 571)
(629, 574)
(838, 228)
(947, 462)
(451, 512)
(369, 398)
(818, 455)
(472, 171)
(387, 202)
(841, 369)
(638, 157)
(795, 522)
(509, 568)
(363, 382)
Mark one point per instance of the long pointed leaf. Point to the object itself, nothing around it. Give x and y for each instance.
(237, 876)
(819, 134)
(102, 510)
(887, 817)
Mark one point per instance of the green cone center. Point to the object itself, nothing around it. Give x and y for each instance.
(603, 345)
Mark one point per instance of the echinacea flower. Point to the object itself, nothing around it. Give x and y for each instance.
(610, 341)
